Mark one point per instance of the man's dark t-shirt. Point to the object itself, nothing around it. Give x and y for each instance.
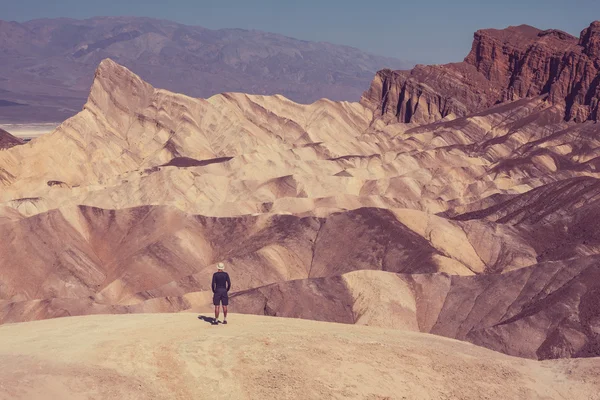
(220, 286)
(221, 281)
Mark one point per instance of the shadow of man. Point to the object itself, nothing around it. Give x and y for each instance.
(210, 320)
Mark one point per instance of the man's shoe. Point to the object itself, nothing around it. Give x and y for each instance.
(215, 322)
(225, 322)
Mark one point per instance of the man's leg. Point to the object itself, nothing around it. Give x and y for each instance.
(225, 302)
(216, 312)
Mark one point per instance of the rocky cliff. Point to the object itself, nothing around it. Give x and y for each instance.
(503, 65)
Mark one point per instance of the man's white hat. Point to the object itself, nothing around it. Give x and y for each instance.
(220, 266)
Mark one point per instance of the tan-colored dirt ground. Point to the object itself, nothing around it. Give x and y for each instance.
(178, 356)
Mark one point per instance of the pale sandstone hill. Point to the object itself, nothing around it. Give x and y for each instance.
(127, 126)
(179, 357)
(235, 154)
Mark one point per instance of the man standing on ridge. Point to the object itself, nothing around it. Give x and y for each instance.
(220, 287)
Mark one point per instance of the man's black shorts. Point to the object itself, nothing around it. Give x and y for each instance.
(220, 296)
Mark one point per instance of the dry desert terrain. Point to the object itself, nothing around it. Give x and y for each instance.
(178, 356)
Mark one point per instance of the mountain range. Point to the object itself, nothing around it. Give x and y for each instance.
(48, 64)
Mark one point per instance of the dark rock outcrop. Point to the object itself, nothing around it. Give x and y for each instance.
(7, 140)
(503, 65)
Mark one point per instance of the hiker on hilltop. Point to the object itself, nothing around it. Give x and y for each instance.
(220, 287)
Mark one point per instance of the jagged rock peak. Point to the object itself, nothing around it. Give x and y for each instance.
(110, 70)
(115, 85)
(590, 40)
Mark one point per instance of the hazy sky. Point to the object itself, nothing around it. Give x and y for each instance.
(431, 31)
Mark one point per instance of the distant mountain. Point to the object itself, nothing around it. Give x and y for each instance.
(49, 64)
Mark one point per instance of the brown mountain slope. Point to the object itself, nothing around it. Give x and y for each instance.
(7, 140)
(557, 219)
(127, 256)
(547, 204)
(503, 65)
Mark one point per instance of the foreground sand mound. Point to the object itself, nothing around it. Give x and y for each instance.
(177, 356)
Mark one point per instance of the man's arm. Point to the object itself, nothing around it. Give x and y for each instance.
(214, 284)
(228, 283)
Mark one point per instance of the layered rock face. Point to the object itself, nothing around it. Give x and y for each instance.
(503, 65)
